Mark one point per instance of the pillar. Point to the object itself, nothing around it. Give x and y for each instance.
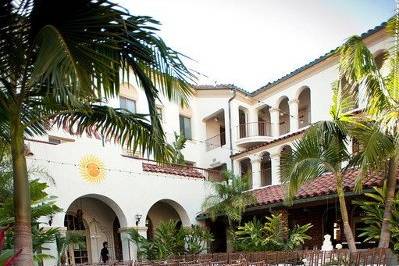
(236, 167)
(275, 160)
(294, 119)
(252, 122)
(275, 121)
(129, 248)
(256, 174)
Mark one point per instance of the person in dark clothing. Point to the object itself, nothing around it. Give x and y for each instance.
(104, 252)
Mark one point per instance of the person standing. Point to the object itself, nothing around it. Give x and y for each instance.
(105, 253)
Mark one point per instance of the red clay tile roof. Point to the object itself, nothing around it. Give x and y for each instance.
(282, 137)
(172, 170)
(323, 185)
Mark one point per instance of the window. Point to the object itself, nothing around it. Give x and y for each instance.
(127, 104)
(185, 126)
(77, 254)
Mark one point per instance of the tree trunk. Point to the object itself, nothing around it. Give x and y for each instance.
(344, 213)
(385, 234)
(22, 202)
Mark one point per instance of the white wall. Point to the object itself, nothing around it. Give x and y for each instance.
(126, 188)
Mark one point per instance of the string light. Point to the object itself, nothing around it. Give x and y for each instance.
(144, 173)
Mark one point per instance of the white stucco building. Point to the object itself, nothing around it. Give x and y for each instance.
(104, 190)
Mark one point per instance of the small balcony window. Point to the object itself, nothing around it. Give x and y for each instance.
(128, 104)
(185, 126)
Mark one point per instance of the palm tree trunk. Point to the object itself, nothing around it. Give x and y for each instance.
(344, 213)
(385, 234)
(23, 232)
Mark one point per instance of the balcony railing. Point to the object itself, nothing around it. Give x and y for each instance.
(215, 142)
(254, 129)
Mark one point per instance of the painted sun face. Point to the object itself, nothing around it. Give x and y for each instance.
(92, 169)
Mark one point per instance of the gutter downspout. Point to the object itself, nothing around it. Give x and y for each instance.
(230, 130)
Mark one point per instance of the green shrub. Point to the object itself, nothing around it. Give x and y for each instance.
(270, 236)
(169, 240)
(373, 208)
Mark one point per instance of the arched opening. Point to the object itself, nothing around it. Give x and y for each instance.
(304, 108)
(215, 130)
(284, 110)
(242, 123)
(264, 127)
(165, 210)
(246, 170)
(96, 222)
(266, 170)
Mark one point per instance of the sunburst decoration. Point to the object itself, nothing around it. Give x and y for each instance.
(92, 169)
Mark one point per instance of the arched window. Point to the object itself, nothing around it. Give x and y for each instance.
(246, 170)
(304, 108)
(284, 110)
(266, 170)
(242, 123)
(264, 126)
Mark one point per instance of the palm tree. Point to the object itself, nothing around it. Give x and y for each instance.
(177, 146)
(322, 149)
(59, 62)
(358, 68)
(230, 198)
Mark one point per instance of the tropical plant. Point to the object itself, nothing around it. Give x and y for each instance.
(64, 242)
(7, 256)
(171, 240)
(373, 207)
(323, 149)
(60, 67)
(43, 205)
(177, 146)
(196, 239)
(359, 69)
(270, 236)
(229, 198)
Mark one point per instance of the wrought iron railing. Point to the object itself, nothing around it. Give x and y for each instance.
(376, 257)
(254, 129)
(215, 142)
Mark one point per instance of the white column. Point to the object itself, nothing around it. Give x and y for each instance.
(129, 249)
(275, 121)
(236, 167)
(256, 175)
(294, 119)
(275, 158)
(252, 122)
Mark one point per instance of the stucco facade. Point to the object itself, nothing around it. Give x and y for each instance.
(228, 126)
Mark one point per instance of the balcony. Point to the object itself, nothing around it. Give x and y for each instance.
(253, 133)
(215, 142)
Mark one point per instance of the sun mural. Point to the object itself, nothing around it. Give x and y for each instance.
(92, 169)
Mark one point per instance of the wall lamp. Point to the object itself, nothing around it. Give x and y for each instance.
(138, 218)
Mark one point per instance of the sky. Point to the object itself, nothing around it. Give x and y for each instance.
(252, 42)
